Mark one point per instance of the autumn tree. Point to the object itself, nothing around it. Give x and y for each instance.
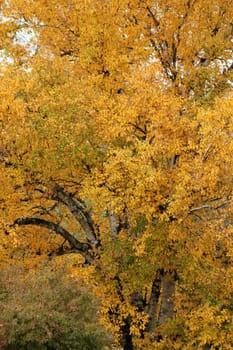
(116, 145)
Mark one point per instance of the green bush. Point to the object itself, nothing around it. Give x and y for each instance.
(44, 310)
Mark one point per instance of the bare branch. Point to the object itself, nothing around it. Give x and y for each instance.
(207, 152)
(207, 206)
(41, 210)
(222, 204)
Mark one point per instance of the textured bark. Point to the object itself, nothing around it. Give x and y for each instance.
(166, 311)
(161, 303)
(114, 223)
(138, 301)
(154, 301)
(80, 212)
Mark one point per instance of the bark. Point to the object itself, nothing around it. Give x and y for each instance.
(167, 299)
(161, 303)
(114, 223)
(82, 248)
(137, 300)
(117, 223)
(154, 301)
(80, 212)
(126, 338)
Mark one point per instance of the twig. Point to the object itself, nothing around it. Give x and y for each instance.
(207, 206)
(207, 152)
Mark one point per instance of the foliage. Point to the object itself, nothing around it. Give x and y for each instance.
(116, 121)
(46, 310)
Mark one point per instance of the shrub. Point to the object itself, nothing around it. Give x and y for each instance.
(44, 310)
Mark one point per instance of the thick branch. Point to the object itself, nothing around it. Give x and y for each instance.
(114, 223)
(82, 248)
(80, 213)
(154, 301)
(166, 311)
(117, 223)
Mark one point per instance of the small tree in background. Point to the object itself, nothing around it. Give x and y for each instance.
(46, 310)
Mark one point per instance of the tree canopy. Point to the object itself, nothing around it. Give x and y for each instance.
(116, 122)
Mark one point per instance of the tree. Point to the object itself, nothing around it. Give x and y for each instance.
(47, 310)
(117, 139)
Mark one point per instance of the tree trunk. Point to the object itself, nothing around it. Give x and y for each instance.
(154, 301)
(161, 303)
(126, 338)
(166, 311)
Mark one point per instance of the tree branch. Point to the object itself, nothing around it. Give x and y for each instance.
(154, 301)
(156, 22)
(207, 152)
(82, 248)
(167, 300)
(207, 206)
(80, 212)
(143, 131)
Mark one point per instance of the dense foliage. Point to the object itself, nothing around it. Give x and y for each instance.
(116, 121)
(46, 310)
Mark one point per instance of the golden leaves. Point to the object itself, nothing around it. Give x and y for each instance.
(114, 105)
(212, 320)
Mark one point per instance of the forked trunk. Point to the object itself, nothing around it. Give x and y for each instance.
(161, 303)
